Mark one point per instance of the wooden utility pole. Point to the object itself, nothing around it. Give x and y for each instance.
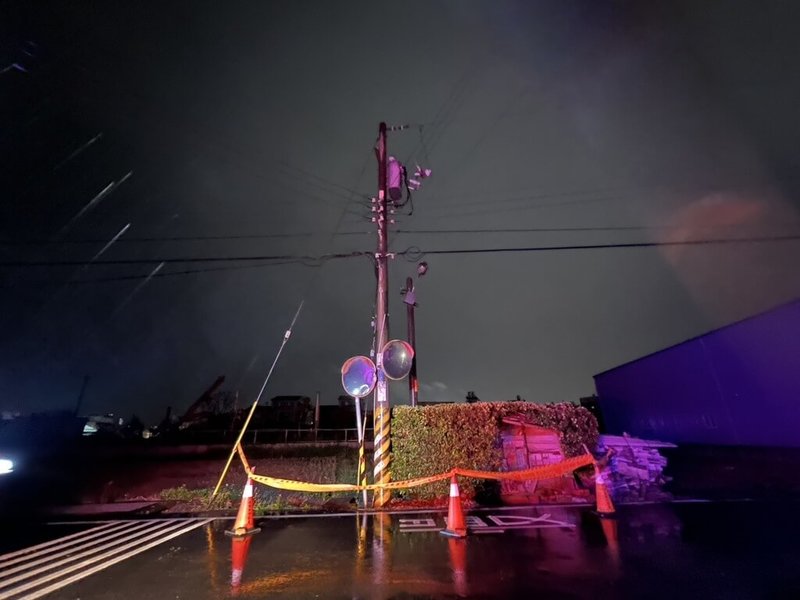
(382, 410)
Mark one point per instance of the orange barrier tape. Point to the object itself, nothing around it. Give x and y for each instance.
(544, 472)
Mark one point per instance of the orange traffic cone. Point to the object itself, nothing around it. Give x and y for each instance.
(612, 539)
(456, 526)
(245, 519)
(605, 507)
(458, 562)
(239, 549)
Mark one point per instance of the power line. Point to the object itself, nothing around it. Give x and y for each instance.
(184, 272)
(750, 240)
(457, 201)
(178, 238)
(184, 259)
(309, 260)
(513, 230)
(265, 236)
(531, 229)
(494, 210)
(344, 191)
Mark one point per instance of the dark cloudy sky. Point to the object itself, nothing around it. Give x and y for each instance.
(583, 123)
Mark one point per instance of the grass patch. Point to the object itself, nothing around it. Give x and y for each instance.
(338, 467)
(198, 497)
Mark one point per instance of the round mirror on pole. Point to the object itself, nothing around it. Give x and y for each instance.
(397, 358)
(359, 376)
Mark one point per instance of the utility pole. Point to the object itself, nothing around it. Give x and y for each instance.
(316, 418)
(80, 395)
(382, 411)
(410, 300)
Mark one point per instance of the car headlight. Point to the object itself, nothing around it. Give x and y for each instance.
(6, 466)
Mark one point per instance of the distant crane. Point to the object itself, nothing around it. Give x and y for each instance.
(202, 404)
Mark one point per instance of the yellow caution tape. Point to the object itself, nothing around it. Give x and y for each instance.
(302, 486)
(544, 472)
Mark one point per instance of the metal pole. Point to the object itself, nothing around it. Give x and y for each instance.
(413, 386)
(316, 418)
(382, 414)
(80, 395)
(362, 460)
(255, 402)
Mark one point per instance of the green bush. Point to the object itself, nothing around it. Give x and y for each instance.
(434, 439)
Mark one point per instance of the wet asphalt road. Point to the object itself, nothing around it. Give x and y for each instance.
(720, 550)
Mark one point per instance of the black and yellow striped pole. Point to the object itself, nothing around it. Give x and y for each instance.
(362, 470)
(381, 471)
(361, 477)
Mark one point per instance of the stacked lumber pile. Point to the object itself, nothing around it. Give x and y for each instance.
(635, 467)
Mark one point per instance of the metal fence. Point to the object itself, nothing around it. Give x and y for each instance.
(276, 436)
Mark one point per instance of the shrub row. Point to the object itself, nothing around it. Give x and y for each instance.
(433, 439)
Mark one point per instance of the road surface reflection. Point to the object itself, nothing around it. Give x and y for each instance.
(391, 555)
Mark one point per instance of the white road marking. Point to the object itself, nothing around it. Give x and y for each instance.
(148, 535)
(476, 524)
(92, 563)
(6, 559)
(49, 555)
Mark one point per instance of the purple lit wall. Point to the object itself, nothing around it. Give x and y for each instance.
(736, 385)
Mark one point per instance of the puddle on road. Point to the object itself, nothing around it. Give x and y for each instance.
(400, 556)
(715, 550)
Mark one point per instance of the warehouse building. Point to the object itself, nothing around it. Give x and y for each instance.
(737, 385)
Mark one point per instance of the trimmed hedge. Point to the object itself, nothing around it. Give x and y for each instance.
(433, 439)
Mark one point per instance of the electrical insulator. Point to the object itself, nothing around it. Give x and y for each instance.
(394, 179)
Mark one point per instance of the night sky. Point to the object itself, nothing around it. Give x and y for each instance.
(216, 130)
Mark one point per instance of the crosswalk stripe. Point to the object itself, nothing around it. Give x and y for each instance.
(92, 549)
(112, 561)
(65, 551)
(7, 558)
(162, 533)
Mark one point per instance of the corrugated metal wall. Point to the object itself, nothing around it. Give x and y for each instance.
(735, 385)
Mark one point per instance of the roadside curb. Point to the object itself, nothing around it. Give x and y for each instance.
(158, 510)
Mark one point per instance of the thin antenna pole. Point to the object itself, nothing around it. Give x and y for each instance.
(258, 398)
